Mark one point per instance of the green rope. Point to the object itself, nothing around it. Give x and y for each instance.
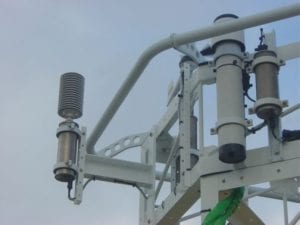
(225, 208)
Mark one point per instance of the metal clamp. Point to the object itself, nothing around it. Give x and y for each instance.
(68, 126)
(228, 51)
(65, 165)
(230, 120)
(266, 59)
(268, 101)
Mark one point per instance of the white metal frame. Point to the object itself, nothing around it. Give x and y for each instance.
(209, 177)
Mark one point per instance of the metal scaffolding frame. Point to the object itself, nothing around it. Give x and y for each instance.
(196, 171)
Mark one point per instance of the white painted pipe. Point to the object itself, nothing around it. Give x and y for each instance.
(159, 175)
(177, 40)
(295, 220)
(290, 110)
(267, 193)
(201, 118)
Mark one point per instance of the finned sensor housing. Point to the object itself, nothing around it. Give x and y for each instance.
(71, 95)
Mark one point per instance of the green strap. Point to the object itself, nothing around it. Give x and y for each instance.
(225, 208)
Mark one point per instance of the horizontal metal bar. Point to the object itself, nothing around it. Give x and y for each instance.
(119, 171)
(258, 192)
(159, 174)
(177, 40)
(290, 110)
(259, 174)
(285, 52)
(290, 51)
(262, 192)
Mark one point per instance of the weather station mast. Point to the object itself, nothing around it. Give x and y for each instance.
(222, 176)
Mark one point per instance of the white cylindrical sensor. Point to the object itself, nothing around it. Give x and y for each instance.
(230, 99)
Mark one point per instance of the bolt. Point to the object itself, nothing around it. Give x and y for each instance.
(223, 181)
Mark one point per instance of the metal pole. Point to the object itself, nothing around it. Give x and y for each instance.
(200, 118)
(190, 216)
(285, 209)
(290, 110)
(177, 40)
(295, 220)
(269, 194)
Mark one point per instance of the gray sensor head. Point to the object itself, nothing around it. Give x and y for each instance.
(71, 95)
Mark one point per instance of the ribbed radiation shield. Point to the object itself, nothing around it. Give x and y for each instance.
(71, 95)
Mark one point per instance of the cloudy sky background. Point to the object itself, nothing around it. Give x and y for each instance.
(102, 39)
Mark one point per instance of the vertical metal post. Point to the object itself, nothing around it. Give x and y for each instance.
(274, 136)
(185, 125)
(285, 209)
(209, 195)
(148, 156)
(81, 166)
(201, 118)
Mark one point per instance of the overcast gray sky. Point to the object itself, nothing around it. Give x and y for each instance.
(42, 39)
